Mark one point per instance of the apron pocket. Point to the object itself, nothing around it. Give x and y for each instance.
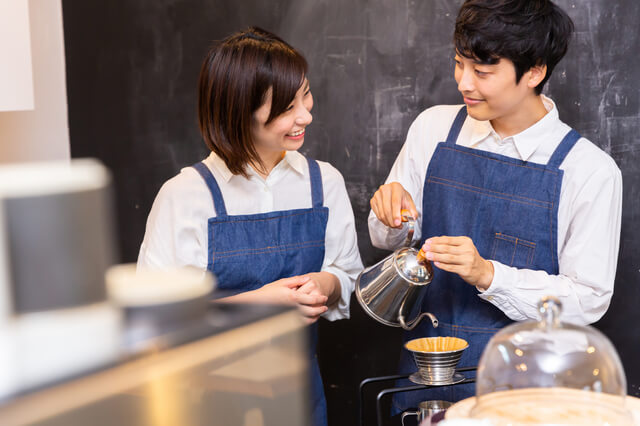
(512, 251)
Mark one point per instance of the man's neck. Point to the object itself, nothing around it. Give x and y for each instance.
(526, 115)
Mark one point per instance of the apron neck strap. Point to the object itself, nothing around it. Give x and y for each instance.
(317, 199)
(456, 126)
(218, 201)
(563, 149)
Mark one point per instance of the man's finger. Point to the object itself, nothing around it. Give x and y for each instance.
(385, 205)
(447, 267)
(408, 204)
(397, 195)
(449, 259)
(446, 249)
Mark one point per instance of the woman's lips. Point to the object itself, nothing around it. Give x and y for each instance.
(296, 136)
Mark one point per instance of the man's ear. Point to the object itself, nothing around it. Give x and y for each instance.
(537, 73)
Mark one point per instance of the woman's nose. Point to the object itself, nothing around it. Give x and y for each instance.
(304, 116)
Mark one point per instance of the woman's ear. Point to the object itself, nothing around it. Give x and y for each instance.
(537, 73)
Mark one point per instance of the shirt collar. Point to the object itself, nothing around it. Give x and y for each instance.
(216, 163)
(296, 160)
(527, 141)
(291, 158)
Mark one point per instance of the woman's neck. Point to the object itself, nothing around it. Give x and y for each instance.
(269, 161)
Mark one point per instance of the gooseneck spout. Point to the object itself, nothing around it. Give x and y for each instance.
(414, 323)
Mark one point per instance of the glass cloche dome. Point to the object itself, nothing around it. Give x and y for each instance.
(550, 373)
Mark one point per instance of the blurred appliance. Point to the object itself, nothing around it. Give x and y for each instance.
(56, 241)
(158, 302)
(243, 365)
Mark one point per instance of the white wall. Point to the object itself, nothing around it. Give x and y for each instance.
(43, 133)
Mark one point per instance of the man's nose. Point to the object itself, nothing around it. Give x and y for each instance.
(466, 81)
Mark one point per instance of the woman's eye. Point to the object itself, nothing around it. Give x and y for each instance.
(307, 92)
(289, 108)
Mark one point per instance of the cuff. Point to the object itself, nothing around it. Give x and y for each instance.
(498, 292)
(340, 310)
(388, 238)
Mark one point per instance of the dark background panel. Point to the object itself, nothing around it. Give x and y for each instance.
(132, 68)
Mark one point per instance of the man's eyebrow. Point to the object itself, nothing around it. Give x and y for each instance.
(485, 63)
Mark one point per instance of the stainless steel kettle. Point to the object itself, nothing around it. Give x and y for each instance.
(391, 291)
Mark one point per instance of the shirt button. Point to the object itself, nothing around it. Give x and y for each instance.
(490, 298)
(266, 189)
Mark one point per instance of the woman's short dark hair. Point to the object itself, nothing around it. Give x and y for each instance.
(527, 32)
(234, 80)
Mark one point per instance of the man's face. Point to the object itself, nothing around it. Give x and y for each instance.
(490, 91)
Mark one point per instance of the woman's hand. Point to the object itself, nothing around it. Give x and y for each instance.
(312, 311)
(311, 293)
(324, 283)
(388, 201)
(284, 292)
(460, 256)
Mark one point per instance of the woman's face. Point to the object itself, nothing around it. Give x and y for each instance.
(286, 131)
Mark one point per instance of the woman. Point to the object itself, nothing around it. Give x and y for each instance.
(272, 225)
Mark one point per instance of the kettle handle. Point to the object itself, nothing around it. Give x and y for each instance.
(411, 226)
(414, 323)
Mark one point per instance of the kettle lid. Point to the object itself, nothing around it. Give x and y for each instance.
(407, 265)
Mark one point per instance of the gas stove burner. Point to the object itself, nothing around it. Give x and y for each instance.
(419, 380)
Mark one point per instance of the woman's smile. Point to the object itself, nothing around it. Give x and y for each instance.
(297, 135)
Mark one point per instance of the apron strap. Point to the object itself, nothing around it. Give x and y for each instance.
(317, 199)
(563, 149)
(456, 126)
(218, 201)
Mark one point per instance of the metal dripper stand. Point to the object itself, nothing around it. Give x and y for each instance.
(398, 389)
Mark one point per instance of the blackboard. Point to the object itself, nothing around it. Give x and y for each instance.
(132, 67)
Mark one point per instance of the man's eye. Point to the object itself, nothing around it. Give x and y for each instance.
(481, 73)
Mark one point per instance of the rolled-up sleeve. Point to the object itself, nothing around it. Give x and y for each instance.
(342, 257)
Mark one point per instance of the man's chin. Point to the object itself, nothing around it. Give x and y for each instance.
(478, 112)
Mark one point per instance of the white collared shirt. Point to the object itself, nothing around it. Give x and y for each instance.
(589, 212)
(176, 232)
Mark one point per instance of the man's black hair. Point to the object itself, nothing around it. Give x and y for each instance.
(527, 32)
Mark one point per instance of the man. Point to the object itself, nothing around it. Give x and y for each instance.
(513, 205)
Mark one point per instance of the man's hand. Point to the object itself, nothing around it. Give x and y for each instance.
(388, 201)
(460, 256)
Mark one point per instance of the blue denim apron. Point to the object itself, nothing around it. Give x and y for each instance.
(509, 208)
(246, 252)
